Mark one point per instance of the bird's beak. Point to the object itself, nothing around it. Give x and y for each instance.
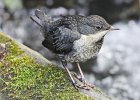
(113, 28)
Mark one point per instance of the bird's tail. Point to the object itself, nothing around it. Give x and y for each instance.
(41, 19)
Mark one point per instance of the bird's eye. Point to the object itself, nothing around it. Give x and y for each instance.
(98, 27)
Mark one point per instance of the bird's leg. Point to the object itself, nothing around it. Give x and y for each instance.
(82, 78)
(73, 81)
(65, 66)
(64, 63)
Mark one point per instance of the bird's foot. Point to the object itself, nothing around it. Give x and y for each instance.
(81, 86)
(85, 84)
(88, 84)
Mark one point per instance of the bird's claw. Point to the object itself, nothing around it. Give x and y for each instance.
(89, 85)
(77, 86)
(85, 84)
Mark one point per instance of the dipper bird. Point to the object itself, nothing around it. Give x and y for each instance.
(73, 38)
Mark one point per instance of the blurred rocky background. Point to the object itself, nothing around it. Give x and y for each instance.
(117, 68)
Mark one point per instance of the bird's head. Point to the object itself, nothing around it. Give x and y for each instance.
(95, 25)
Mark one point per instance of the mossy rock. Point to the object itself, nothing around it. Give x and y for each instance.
(26, 75)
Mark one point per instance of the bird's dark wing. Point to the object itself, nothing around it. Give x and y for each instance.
(61, 40)
(59, 35)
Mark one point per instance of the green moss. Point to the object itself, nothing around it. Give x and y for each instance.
(22, 78)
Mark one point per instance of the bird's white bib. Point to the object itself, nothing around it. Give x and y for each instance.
(86, 47)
